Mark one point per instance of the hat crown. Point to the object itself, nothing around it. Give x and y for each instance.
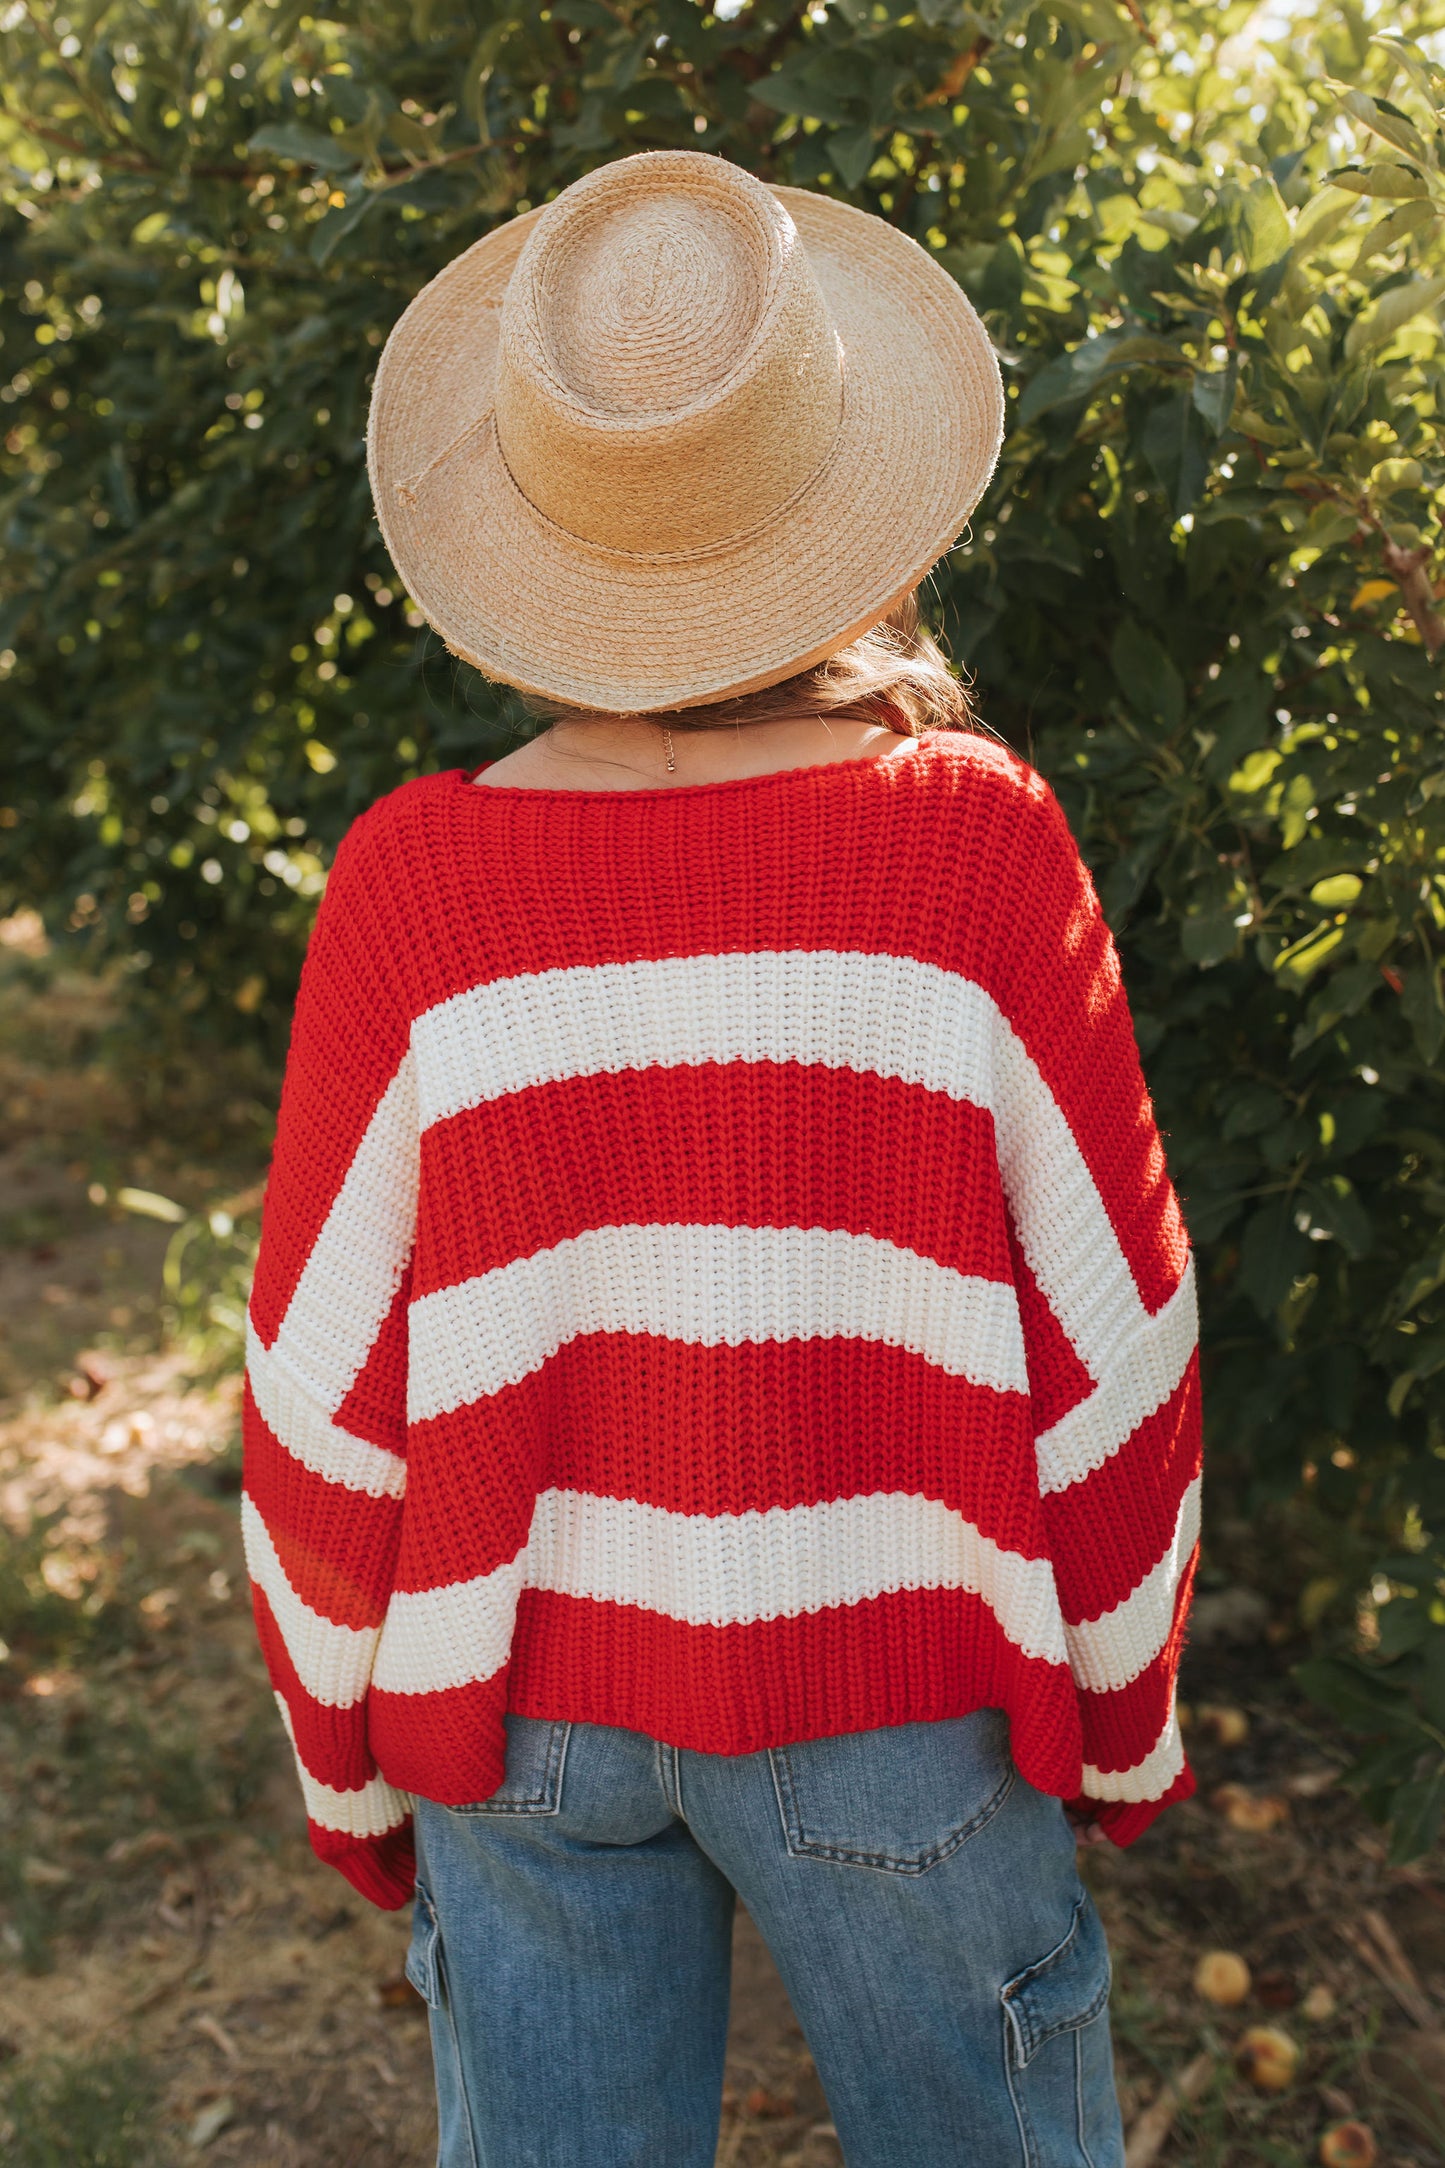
(668, 374)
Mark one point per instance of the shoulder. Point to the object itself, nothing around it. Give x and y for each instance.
(995, 790)
(392, 825)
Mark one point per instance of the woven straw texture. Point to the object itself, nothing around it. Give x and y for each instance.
(677, 435)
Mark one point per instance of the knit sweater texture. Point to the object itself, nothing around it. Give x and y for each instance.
(719, 1277)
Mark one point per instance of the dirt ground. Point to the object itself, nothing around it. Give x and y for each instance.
(180, 1981)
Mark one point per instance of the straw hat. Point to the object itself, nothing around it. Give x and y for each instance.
(676, 434)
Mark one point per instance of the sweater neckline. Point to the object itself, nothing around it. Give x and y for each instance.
(465, 778)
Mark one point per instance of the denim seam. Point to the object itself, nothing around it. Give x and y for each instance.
(1018, 2010)
(800, 1847)
(669, 1776)
(1087, 2156)
(439, 2013)
(1013, 2040)
(548, 1800)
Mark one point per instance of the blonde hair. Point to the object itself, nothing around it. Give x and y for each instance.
(895, 675)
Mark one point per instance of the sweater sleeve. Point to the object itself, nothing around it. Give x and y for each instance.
(1106, 1290)
(324, 1423)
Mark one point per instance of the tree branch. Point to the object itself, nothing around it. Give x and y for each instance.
(1407, 569)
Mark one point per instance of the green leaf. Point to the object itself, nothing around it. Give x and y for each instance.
(1377, 326)
(1261, 226)
(1213, 394)
(1427, 1359)
(1364, 1701)
(814, 86)
(1424, 1010)
(1070, 376)
(1272, 1256)
(1415, 1814)
(301, 146)
(1379, 180)
(1394, 227)
(1146, 675)
(1207, 937)
(852, 151)
(1172, 441)
(337, 224)
(1335, 1206)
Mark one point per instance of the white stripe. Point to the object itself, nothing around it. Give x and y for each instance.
(372, 1810)
(1105, 1653)
(893, 1016)
(356, 1263)
(332, 1662)
(716, 1570)
(293, 1417)
(1149, 1778)
(1144, 1372)
(710, 1287)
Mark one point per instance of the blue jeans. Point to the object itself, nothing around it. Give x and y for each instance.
(572, 1937)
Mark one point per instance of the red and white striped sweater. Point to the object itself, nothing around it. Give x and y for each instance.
(719, 1277)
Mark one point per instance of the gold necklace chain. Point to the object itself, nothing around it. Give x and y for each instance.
(671, 759)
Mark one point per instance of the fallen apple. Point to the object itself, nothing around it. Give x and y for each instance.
(1267, 2058)
(1349, 2145)
(1319, 2004)
(1222, 1977)
(1257, 1812)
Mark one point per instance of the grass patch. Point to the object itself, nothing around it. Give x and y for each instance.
(98, 2111)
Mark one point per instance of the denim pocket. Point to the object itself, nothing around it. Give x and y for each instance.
(423, 1957)
(536, 1755)
(425, 1968)
(899, 1799)
(1058, 2052)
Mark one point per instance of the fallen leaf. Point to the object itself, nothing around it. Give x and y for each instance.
(1277, 1989)
(211, 2121)
(766, 2105)
(216, 2032)
(1150, 2133)
(399, 1994)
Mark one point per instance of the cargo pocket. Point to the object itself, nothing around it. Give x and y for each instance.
(536, 1757)
(1058, 2054)
(898, 1799)
(426, 1970)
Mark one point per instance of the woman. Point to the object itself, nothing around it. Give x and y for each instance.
(723, 1410)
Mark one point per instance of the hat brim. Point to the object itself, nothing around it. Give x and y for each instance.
(514, 594)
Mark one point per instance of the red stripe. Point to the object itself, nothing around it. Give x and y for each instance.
(766, 1424)
(1124, 1821)
(1110, 1530)
(449, 1746)
(1058, 1378)
(344, 1003)
(338, 1547)
(375, 1408)
(733, 1689)
(523, 1172)
(1073, 1018)
(382, 1869)
(1121, 1728)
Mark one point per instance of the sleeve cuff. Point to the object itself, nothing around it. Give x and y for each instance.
(1123, 1821)
(382, 1869)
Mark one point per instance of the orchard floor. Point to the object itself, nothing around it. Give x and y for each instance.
(180, 1982)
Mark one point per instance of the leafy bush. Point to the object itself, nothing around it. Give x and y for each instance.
(1199, 594)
